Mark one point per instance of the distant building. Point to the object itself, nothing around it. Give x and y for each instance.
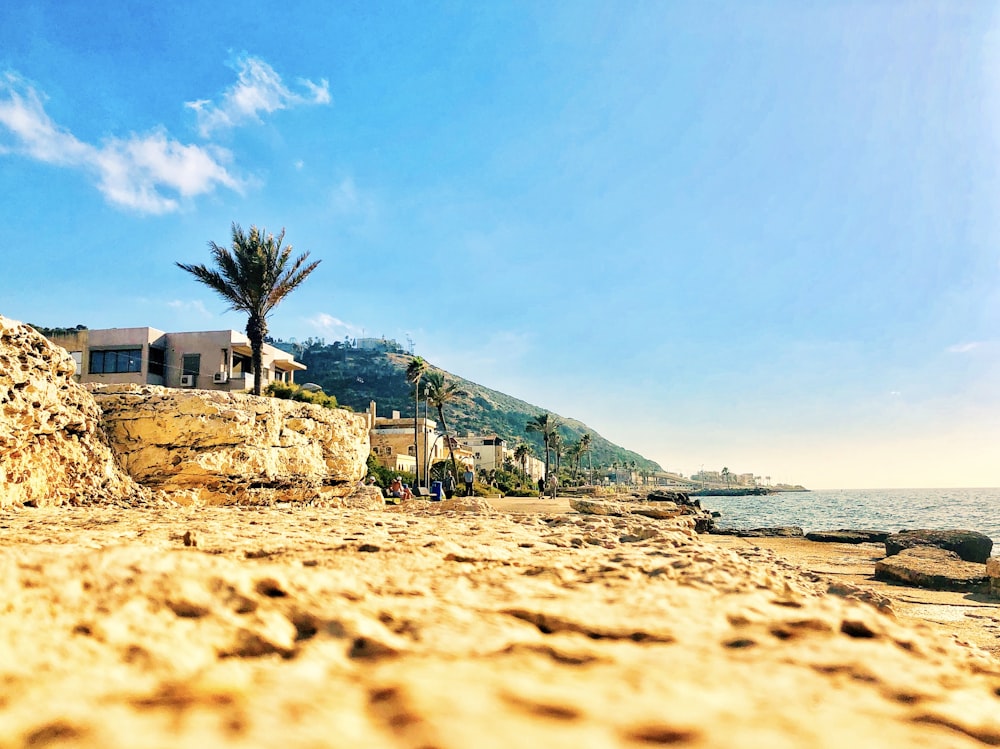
(210, 360)
(392, 441)
(487, 451)
(378, 344)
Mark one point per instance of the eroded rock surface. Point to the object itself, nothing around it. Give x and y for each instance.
(935, 568)
(52, 448)
(216, 447)
(308, 627)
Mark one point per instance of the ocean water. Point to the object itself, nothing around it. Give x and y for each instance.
(880, 509)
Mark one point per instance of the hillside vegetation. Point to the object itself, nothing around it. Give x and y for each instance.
(356, 377)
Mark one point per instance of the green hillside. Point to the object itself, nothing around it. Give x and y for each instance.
(356, 377)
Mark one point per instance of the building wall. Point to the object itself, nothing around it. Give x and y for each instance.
(218, 351)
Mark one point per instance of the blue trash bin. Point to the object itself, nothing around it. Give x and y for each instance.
(436, 491)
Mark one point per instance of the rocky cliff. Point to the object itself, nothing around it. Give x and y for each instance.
(231, 448)
(52, 448)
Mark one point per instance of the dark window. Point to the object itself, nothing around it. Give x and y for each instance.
(116, 361)
(192, 364)
(157, 361)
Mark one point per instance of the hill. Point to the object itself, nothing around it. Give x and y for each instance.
(358, 376)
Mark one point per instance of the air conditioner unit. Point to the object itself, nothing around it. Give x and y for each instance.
(187, 381)
(220, 378)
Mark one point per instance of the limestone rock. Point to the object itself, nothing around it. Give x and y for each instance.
(311, 627)
(933, 567)
(52, 448)
(233, 448)
(848, 536)
(969, 545)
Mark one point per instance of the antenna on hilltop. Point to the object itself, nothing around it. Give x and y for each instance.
(409, 344)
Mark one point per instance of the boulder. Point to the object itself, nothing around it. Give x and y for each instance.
(848, 536)
(933, 567)
(216, 447)
(969, 545)
(664, 495)
(52, 448)
(661, 510)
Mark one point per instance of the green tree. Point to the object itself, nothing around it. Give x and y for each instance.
(585, 441)
(521, 453)
(725, 475)
(546, 426)
(254, 277)
(414, 372)
(440, 393)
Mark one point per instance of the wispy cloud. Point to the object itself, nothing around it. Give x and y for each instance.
(328, 325)
(964, 348)
(146, 173)
(258, 90)
(189, 305)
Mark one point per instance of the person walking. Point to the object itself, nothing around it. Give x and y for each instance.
(449, 485)
(541, 487)
(469, 477)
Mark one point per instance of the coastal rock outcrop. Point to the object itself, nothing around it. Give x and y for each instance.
(848, 536)
(777, 531)
(935, 568)
(216, 447)
(969, 545)
(52, 448)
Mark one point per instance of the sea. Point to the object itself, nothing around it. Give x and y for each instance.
(877, 509)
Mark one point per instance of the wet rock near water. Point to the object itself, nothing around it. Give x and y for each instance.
(783, 531)
(702, 521)
(970, 546)
(848, 536)
(935, 568)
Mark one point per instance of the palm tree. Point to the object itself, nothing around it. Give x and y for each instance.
(545, 425)
(439, 393)
(725, 476)
(521, 453)
(414, 372)
(253, 278)
(585, 441)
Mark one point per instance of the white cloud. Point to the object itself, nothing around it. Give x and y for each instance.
(146, 173)
(328, 325)
(964, 348)
(190, 305)
(259, 89)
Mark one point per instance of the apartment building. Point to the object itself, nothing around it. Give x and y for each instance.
(210, 360)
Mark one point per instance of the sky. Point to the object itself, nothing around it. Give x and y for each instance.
(755, 235)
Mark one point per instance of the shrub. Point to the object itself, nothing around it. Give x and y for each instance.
(291, 391)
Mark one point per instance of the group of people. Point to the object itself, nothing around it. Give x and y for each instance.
(399, 491)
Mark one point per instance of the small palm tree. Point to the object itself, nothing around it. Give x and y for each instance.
(725, 475)
(585, 441)
(414, 372)
(545, 425)
(521, 453)
(440, 393)
(254, 277)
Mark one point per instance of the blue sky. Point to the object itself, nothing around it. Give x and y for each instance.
(760, 235)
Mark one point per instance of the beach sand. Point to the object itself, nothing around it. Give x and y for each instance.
(306, 626)
(971, 617)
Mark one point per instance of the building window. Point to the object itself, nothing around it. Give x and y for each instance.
(116, 362)
(157, 361)
(192, 364)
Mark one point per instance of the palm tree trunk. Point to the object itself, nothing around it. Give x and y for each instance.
(416, 438)
(256, 330)
(451, 451)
